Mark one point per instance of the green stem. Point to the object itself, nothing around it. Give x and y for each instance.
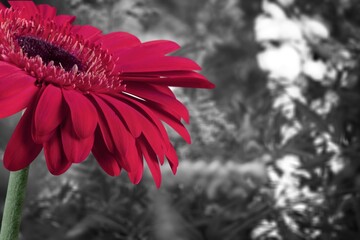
(15, 196)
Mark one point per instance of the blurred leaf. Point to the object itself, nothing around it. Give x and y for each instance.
(92, 221)
(311, 116)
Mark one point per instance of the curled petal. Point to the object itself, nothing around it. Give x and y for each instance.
(118, 133)
(132, 157)
(131, 117)
(153, 130)
(76, 149)
(54, 154)
(172, 158)
(136, 175)
(105, 132)
(49, 112)
(83, 114)
(151, 160)
(21, 149)
(105, 158)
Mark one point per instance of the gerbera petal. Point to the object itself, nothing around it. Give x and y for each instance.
(46, 11)
(105, 158)
(168, 63)
(136, 175)
(5, 67)
(155, 139)
(175, 79)
(169, 103)
(49, 112)
(29, 8)
(174, 123)
(172, 158)
(151, 160)
(164, 89)
(151, 49)
(54, 154)
(88, 32)
(119, 134)
(76, 149)
(188, 79)
(17, 102)
(153, 130)
(106, 123)
(106, 133)
(131, 157)
(131, 117)
(151, 127)
(83, 114)
(64, 19)
(13, 83)
(118, 40)
(145, 112)
(21, 149)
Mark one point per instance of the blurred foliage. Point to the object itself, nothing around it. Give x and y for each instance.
(272, 158)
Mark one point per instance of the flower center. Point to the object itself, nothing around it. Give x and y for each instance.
(54, 54)
(48, 52)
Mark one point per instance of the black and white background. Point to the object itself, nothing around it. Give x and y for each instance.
(276, 145)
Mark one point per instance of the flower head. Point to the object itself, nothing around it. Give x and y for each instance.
(85, 91)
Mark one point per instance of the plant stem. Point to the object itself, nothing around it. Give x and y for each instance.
(15, 196)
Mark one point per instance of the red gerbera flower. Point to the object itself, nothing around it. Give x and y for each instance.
(88, 92)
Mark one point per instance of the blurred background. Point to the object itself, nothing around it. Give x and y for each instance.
(276, 146)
